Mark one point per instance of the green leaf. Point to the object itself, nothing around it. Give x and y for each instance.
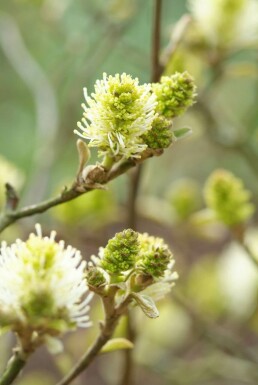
(158, 290)
(182, 133)
(116, 344)
(146, 304)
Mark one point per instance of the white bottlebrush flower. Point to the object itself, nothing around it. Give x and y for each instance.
(117, 115)
(226, 22)
(43, 290)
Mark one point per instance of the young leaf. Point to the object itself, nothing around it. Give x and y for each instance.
(182, 133)
(146, 304)
(116, 344)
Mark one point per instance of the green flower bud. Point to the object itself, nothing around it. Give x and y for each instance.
(95, 277)
(120, 253)
(160, 135)
(226, 196)
(155, 257)
(184, 196)
(174, 94)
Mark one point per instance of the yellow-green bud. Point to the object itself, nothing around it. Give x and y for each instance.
(120, 253)
(226, 196)
(95, 277)
(160, 135)
(174, 94)
(184, 195)
(155, 257)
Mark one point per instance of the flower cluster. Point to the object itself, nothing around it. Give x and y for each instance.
(120, 253)
(43, 291)
(134, 259)
(155, 258)
(123, 118)
(226, 196)
(118, 114)
(226, 22)
(160, 134)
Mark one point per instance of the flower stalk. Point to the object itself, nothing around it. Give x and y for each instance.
(13, 369)
(112, 314)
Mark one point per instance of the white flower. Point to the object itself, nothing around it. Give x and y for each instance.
(227, 22)
(42, 287)
(118, 114)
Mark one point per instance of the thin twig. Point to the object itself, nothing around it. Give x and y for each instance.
(12, 198)
(127, 371)
(91, 353)
(113, 315)
(156, 68)
(14, 367)
(8, 217)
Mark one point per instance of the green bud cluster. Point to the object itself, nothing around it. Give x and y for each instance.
(226, 196)
(174, 94)
(184, 196)
(154, 257)
(95, 277)
(121, 252)
(160, 135)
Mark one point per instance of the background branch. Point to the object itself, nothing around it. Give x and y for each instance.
(127, 371)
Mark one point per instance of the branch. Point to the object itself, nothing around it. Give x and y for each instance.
(7, 217)
(113, 315)
(14, 367)
(91, 353)
(156, 68)
(156, 72)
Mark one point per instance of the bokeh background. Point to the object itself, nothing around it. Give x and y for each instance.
(49, 51)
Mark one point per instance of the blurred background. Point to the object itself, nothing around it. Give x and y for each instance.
(50, 50)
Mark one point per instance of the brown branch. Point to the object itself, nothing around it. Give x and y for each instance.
(12, 198)
(127, 371)
(91, 353)
(113, 315)
(8, 217)
(156, 68)
(155, 76)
